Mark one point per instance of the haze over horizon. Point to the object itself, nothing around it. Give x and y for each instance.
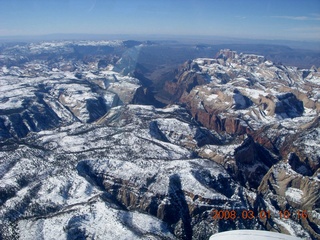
(271, 20)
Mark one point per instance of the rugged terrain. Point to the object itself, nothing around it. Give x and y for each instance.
(88, 152)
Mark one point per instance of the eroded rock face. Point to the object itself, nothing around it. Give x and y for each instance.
(247, 161)
(253, 162)
(187, 77)
(297, 140)
(284, 189)
(288, 106)
(284, 105)
(240, 93)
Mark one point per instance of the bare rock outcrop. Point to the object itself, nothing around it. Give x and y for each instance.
(239, 93)
(285, 190)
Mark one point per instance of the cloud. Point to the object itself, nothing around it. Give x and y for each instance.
(299, 18)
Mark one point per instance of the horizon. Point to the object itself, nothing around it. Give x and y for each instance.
(313, 45)
(253, 20)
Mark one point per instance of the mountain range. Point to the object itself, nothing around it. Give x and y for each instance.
(98, 142)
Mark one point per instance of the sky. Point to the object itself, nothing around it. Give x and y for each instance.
(252, 19)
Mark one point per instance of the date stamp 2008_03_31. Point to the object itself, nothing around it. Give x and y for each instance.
(259, 214)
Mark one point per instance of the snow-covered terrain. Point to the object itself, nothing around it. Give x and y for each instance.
(83, 157)
(254, 89)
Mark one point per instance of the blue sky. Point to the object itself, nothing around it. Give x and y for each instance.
(255, 19)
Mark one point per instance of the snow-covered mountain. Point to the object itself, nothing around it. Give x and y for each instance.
(250, 87)
(85, 154)
(51, 91)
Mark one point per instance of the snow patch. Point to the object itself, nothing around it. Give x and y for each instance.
(294, 194)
